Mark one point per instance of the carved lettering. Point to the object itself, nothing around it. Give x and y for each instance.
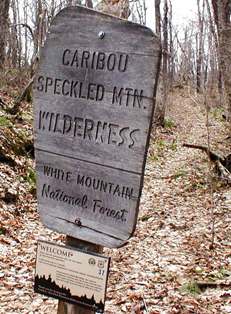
(95, 60)
(101, 185)
(123, 61)
(40, 85)
(78, 122)
(88, 129)
(57, 120)
(57, 173)
(48, 82)
(65, 90)
(100, 61)
(57, 86)
(74, 89)
(111, 62)
(119, 215)
(85, 58)
(112, 137)
(127, 97)
(60, 196)
(65, 60)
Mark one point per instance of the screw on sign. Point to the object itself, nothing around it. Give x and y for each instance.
(94, 97)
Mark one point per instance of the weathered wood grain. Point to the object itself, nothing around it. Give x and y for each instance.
(93, 106)
(115, 190)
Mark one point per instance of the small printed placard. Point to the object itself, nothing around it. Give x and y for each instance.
(71, 275)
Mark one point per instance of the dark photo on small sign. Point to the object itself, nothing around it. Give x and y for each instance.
(93, 107)
(71, 275)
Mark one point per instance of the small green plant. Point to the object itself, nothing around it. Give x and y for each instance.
(217, 113)
(4, 121)
(173, 146)
(160, 144)
(191, 288)
(199, 185)
(27, 116)
(2, 231)
(180, 173)
(153, 158)
(31, 179)
(169, 123)
(225, 272)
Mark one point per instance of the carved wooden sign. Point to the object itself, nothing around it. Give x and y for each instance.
(93, 106)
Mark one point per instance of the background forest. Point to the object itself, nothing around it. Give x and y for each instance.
(197, 55)
(179, 260)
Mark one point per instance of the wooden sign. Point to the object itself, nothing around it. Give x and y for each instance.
(71, 275)
(93, 106)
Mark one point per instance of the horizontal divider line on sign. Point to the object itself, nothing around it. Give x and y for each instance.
(83, 226)
(87, 161)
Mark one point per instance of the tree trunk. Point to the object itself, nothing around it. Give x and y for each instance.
(225, 48)
(222, 13)
(37, 34)
(165, 63)
(89, 4)
(158, 17)
(171, 49)
(200, 46)
(4, 10)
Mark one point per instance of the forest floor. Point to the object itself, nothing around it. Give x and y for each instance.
(171, 264)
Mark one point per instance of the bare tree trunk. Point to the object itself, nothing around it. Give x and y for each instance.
(222, 13)
(165, 62)
(38, 14)
(89, 4)
(117, 8)
(217, 52)
(158, 17)
(200, 46)
(171, 49)
(19, 36)
(13, 37)
(4, 14)
(25, 34)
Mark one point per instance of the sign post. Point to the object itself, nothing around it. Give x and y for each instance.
(93, 105)
(63, 307)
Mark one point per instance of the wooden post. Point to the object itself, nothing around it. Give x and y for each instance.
(63, 307)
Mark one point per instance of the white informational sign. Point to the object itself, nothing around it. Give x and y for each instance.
(71, 275)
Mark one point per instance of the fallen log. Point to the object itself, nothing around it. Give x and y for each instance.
(222, 164)
(203, 285)
(223, 172)
(212, 156)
